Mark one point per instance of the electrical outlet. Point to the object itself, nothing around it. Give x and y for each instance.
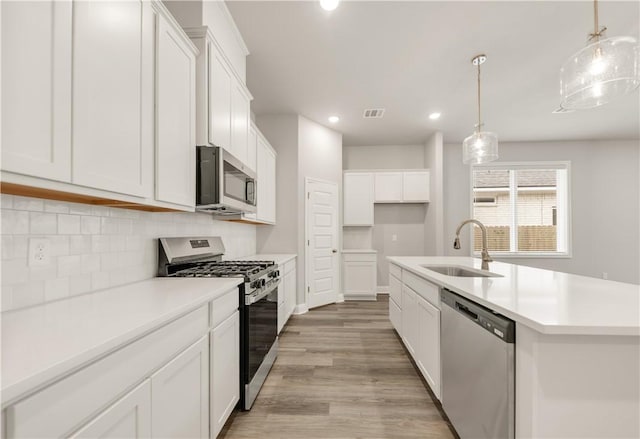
(39, 252)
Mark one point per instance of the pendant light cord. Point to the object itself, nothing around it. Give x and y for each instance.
(479, 110)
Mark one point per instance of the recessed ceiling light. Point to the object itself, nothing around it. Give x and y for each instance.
(329, 5)
(435, 116)
(334, 119)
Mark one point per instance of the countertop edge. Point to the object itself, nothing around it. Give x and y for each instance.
(42, 379)
(518, 318)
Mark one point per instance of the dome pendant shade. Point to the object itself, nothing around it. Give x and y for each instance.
(480, 147)
(600, 73)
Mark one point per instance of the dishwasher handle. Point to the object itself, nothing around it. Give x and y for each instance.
(466, 311)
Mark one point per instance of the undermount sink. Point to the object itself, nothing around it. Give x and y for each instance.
(457, 271)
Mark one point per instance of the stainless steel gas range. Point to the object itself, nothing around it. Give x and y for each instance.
(202, 257)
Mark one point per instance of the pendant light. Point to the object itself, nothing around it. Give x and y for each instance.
(481, 146)
(604, 70)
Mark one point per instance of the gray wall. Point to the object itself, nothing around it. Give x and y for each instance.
(605, 193)
(433, 224)
(319, 156)
(383, 157)
(282, 132)
(305, 149)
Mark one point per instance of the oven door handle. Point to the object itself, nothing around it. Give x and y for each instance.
(255, 297)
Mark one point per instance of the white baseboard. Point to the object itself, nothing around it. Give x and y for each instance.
(383, 289)
(371, 298)
(340, 298)
(300, 309)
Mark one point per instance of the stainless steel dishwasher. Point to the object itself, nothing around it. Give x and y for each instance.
(478, 369)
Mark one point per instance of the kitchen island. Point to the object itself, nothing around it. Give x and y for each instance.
(577, 351)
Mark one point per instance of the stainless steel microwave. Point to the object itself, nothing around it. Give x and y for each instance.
(224, 185)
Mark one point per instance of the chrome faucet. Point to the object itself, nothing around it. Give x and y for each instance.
(485, 248)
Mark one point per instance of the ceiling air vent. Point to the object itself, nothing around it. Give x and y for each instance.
(373, 113)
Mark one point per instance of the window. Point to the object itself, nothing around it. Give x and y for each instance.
(525, 207)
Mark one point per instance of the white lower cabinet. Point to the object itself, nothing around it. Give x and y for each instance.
(409, 319)
(359, 276)
(428, 344)
(395, 303)
(180, 395)
(286, 292)
(225, 371)
(290, 291)
(416, 318)
(128, 418)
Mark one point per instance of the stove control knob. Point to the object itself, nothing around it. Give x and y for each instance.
(262, 282)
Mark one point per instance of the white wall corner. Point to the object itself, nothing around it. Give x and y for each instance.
(300, 308)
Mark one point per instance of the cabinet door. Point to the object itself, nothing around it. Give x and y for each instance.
(428, 348)
(266, 174)
(395, 315)
(239, 123)
(271, 188)
(36, 88)
(409, 319)
(175, 117)
(416, 186)
(225, 371)
(282, 291)
(251, 148)
(219, 101)
(128, 418)
(359, 278)
(388, 187)
(180, 395)
(113, 92)
(290, 293)
(358, 199)
(395, 289)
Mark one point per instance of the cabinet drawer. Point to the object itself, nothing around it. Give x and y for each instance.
(63, 406)
(224, 306)
(395, 315)
(395, 270)
(395, 289)
(425, 289)
(359, 257)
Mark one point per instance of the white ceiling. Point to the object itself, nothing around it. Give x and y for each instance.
(413, 58)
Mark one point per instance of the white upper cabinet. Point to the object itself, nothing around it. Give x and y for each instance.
(266, 175)
(220, 85)
(358, 199)
(415, 186)
(402, 186)
(175, 114)
(113, 94)
(223, 101)
(240, 124)
(36, 88)
(388, 187)
(252, 147)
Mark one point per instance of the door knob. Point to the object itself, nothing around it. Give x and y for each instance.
(334, 251)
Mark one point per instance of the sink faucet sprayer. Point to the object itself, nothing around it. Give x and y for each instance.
(485, 248)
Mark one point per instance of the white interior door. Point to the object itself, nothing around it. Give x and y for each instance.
(322, 257)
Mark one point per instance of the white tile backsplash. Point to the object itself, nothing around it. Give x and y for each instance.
(94, 247)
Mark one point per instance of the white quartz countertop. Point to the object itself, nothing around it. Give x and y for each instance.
(547, 301)
(359, 250)
(278, 258)
(42, 343)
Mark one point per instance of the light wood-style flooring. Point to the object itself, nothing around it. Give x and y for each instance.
(341, 373)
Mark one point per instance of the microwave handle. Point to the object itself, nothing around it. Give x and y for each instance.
(250, 191)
